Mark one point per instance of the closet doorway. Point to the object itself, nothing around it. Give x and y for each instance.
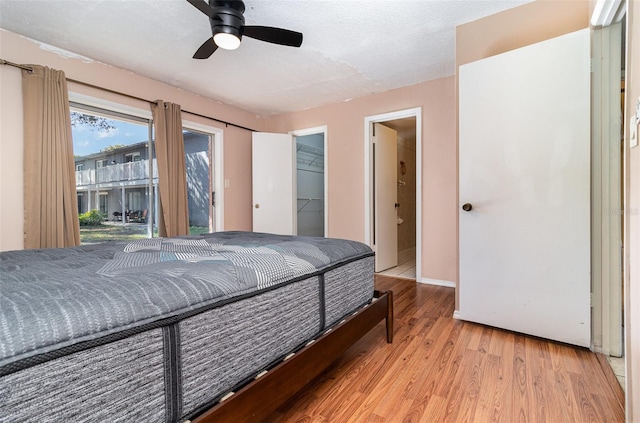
(311, 182)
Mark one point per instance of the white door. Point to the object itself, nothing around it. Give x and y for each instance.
(525, 170)
(273, 158)
(385, 180)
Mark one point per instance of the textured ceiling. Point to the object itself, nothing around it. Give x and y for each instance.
(350, 49)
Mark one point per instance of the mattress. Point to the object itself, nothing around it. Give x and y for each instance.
(161, 329)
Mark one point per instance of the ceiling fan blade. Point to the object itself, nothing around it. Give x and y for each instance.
(202, 6)
(206, 49)
(274, 35)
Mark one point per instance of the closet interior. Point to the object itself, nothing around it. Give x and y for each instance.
(310, 184)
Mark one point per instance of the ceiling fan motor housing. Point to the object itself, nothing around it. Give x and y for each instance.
(227, 17)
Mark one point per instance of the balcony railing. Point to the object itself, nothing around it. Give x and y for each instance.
(132, 171)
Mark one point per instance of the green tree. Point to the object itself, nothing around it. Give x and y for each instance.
(97, 122)
(113, 147)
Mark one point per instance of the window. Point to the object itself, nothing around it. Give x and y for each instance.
(132, 157)
(104, 203)
(135, 200)
(113, 173)
(119, 173)
(80, 203)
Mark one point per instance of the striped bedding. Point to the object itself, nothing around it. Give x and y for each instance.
(160, 329)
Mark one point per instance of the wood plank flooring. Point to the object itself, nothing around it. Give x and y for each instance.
(439, 369)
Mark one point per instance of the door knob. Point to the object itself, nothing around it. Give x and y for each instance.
(467, 207)
(257, 206)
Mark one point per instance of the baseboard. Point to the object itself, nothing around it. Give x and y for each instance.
(457, 315)
(437, 282)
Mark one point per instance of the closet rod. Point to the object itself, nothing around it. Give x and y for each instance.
(310, 171)
(86, 84)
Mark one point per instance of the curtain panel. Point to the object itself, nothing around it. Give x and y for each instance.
(50, 200)
(173, 213)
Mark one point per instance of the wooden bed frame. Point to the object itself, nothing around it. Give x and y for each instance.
(266, 393)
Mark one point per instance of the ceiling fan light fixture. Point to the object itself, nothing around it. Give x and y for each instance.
(226, 40)
(226, 18)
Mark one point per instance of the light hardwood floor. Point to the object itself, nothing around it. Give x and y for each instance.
(440, 369)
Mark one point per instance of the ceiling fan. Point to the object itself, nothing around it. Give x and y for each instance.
(227, 25)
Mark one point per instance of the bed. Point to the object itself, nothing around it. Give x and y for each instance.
(211, 328)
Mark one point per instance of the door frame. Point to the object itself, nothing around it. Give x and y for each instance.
(217, 139)
(607, 210)
(368, 177)
(313, 131)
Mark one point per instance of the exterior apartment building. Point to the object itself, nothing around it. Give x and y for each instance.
(121, 182)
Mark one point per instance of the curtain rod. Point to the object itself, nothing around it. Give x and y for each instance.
(30, 69)
(15, 65)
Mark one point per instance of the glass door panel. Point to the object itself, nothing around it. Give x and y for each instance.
(111, 153)
(200, 195)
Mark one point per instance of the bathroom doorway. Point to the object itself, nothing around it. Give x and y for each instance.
(407, 177)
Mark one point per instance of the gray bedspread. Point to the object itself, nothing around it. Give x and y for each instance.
(52, 299)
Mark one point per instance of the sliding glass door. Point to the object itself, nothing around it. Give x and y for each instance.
(117, 178)
(198, 150)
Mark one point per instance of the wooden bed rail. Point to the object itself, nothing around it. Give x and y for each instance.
(265, 394)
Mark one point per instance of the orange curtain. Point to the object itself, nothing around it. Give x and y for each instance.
(173, 213)
(50, 201)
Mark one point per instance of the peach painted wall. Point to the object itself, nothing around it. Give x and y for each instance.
(345, 123)
(17, 49)
(515, 28)
(632, 208)
(519, 27)
(11, 187)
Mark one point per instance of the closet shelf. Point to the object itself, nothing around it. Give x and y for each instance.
(321, 172)
(308, 149)
(308, 201)
(310, 156)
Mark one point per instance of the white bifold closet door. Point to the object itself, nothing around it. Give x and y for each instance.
(525, 172)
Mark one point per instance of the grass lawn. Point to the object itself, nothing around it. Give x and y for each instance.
(127, 232)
